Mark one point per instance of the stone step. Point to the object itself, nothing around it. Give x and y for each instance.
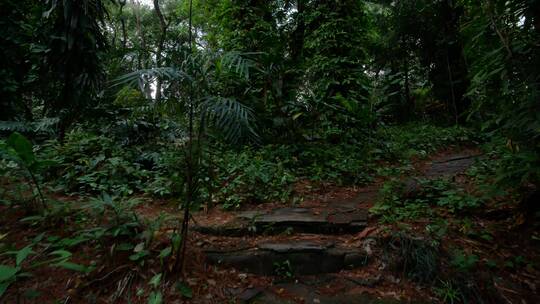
(291, 220)
(444, 167)
(451, 165)
(292, 257)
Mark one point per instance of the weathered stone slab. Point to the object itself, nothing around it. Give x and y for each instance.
(445, 167)
(301, 246)
(295, 219)
(451, 165)
(349, 218)
(250, 294)
(304, 258)
(457, 157)
(351, 204)
(251, 214)
(291, 216)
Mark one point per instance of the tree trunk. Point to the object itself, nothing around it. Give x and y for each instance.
(454, 61)
(409, 106)
(297, 45)
(159, 56)
(123, 23)
(141, 60)
(452, 91)
(137, 9)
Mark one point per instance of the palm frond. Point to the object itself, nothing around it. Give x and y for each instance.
(149, 75)
(229, 116)
(238, 62)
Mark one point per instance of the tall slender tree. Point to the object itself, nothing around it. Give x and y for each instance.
(76, 45)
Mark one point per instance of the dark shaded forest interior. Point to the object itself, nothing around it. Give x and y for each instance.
(278, 151)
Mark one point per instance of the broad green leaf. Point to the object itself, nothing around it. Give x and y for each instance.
(62, 254)
(155, 280)
(106, 197)
(73, 266)
(24, 274)
(7, 272)
(176, 239)
(23, 254)
(295, 116)
(184, 290)
(23, 147)
(3, 287)
(40, 237)
(137, 256)
(32, 219)
(139, 247)
(71, 242)
(155, 298)
(165, 252)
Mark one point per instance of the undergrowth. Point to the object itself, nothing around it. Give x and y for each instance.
(89, 163)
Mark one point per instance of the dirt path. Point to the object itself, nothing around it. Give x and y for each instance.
(321, 251)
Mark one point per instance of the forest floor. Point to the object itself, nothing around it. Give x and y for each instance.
(327, 248)
(292, 251)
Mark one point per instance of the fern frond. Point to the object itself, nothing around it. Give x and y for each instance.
(44, 125)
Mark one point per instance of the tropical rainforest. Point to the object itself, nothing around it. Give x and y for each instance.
(277, 151)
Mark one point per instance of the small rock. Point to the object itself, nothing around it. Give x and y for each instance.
(367, 246)
(249, 294)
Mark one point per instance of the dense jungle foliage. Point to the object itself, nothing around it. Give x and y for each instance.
(121, 121)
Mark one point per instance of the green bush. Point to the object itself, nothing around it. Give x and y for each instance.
(397, 203)
(91, 163)
(247, 177)
(402, 142)
(337, 164)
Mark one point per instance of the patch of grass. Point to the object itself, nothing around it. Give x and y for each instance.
(448, 293)
(415, 258)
